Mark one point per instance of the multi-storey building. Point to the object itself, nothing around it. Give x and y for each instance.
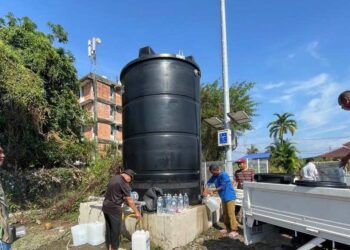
(105, 106)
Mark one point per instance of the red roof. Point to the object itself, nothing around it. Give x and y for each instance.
(338, 153)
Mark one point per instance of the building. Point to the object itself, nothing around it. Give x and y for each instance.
(107, 104)
(338, 153)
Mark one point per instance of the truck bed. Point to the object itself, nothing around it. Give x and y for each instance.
(318, 211)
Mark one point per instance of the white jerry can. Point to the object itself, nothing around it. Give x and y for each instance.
(140, 240)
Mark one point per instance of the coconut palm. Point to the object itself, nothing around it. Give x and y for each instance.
(252, 149)
(282, 125)
(284, 155)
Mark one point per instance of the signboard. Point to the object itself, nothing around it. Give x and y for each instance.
(224, 137)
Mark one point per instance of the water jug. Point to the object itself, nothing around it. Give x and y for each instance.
(140, 240)
(96, 233)
(79, 234)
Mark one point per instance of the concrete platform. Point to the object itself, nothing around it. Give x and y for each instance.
(167, 231)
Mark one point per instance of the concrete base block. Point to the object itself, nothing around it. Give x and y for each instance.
(167, 231)
(175, 230)
(90, 212)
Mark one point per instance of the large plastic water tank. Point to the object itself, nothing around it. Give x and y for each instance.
(161, 122)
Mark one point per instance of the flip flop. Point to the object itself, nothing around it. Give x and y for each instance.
(223, 231)
(233, 234)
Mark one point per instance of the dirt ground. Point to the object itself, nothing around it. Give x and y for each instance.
(59, 238)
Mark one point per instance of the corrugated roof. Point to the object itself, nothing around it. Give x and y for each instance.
(337, 153)
(265, 155)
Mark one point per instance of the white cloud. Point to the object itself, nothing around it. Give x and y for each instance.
(282, 99)
(274, 85)
(313, 50)
(308, 85)
(323, 108)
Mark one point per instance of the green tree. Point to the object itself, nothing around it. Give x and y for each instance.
(282, 125)
(48, 116)
(252, 149)
(284, 155)
(212, 98)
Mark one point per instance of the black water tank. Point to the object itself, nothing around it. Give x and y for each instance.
(161, 122)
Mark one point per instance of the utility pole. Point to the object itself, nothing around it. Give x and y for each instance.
(228, 165)
(92, 54)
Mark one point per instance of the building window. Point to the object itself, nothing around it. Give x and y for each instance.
(111, 110)
(112, 130)
(111, 92)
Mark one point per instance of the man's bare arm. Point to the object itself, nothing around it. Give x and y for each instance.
(131, 204)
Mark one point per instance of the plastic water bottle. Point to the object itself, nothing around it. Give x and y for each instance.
(180, 203)
(177, 200)
(186, 201)
(164, 203)
(173, 204)
(160, 205)
(168, 203)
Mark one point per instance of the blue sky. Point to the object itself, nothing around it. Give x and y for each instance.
(297, 52)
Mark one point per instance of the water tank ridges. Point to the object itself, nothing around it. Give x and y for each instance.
(161, 122)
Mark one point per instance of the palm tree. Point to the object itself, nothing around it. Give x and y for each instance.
(282, 125)
(252, 149)
(284, 155)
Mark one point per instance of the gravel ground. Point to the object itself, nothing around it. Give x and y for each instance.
(59, 238)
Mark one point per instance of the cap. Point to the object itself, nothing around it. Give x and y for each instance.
(129, 172)
(242, 160)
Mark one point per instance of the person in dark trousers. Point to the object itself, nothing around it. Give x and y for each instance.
(223, 186)
(344, 102)
(5, 236)
(118, 192)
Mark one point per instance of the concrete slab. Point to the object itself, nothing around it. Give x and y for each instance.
(167, 231)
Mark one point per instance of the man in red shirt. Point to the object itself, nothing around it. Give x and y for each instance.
(243, 174)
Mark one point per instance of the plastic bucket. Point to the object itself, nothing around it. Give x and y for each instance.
(79, 234)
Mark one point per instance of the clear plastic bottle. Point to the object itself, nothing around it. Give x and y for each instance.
(177, 200)
(180, 203)
(168, 203)
(173, 204)
(186, 201)
(160, 205)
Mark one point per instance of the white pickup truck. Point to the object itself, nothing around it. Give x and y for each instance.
(318, 211)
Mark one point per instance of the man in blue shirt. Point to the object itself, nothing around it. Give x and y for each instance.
(223, 186)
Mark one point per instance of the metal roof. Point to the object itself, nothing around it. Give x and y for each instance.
(265, 155)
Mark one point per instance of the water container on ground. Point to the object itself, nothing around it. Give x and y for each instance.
(96, 233)
(79, 234)
(140, 240)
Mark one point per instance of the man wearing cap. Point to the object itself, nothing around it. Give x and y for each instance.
(118, 192)
(243, 173)
(223, 186)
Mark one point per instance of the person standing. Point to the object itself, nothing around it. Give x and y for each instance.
(243, 173)
(118, 192)
(5, 236)
(309, 171)
(223, 186)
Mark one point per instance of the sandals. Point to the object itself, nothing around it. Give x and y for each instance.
(233, 234)
(223, 231)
